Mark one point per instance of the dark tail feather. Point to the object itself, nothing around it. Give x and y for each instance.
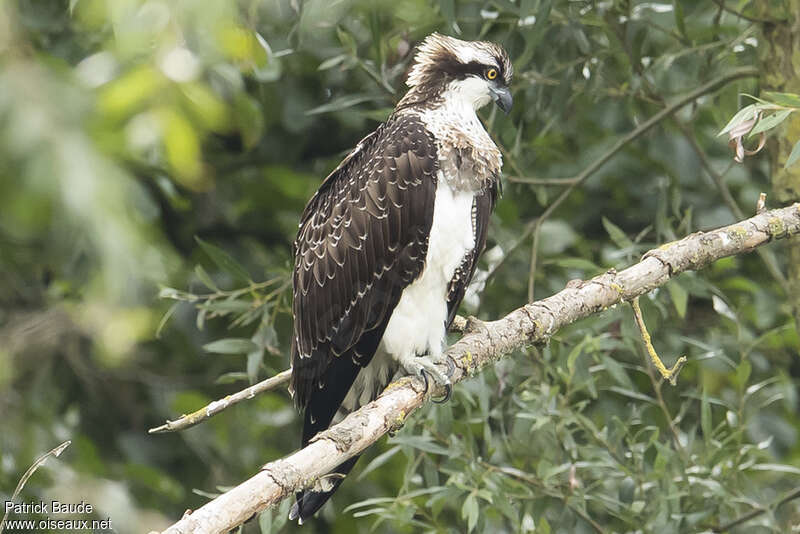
(323, 404)
(308, 502)
(319, 412)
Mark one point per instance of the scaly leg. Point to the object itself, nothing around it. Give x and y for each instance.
(425, 366)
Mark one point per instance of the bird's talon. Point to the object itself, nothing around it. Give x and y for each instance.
(451, 367)
(424, 376)
(448, 390)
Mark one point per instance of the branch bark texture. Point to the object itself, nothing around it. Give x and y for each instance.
(482, 344)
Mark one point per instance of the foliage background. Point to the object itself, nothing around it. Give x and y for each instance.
(129, 127)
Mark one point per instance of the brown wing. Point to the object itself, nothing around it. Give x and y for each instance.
(363, 238)
(482, 208)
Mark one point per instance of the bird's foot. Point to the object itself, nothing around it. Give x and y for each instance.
(428, 367)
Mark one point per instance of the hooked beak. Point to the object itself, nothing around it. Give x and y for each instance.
(502, 97)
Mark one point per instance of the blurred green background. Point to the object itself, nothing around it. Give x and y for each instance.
(131, 128)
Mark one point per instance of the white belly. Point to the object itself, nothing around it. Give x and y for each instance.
(417, 324)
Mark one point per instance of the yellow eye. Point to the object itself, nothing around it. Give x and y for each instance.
(491, 74)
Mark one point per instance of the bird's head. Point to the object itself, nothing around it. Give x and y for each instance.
(446, 68)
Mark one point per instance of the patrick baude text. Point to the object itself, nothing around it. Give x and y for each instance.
(48, 508)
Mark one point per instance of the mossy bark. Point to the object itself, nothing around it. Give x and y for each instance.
(780, 64)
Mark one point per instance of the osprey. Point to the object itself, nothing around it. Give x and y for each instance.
(388, 244)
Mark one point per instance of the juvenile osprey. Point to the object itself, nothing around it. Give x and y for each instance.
(389, 242)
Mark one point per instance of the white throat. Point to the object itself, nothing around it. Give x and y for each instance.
(471, 91)
(455, 121)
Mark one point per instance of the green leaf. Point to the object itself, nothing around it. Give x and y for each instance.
(679, 298)
(746, 113)
(722, 308)
(231, 345)
(469, 511)
(266, 337)
(332, 62)
(680, 21)
(617, 371)
(448, 11)
(347, 40)
(544, 526)
(267, 67)
(281, 516)
(378, 461)
(755, 388)
(182, 148)
(557, 236)
(633, 394)
(165, 319)
(626, 491)
(769, 122)
(555, 470)
(265, 522)
(176, 294)
(793, 156)
(249, 119)
(776, 468)
(270, 521)
(784, 99)
(526, 8)
(379, 511)
(226, 306)
(576, 351)
(743, 371)
(204, 278)
(208, 109)
(574, 263)
(423, 443)
(705, 417)
(223, 260)
(616, 234)
(254, 360)
(341, 103)
(762, 104)
(230, 378)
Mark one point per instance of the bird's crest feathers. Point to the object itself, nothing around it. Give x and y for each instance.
(440, 52)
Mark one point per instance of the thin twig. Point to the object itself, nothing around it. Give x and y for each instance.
(540, 181)
(37, 463)
(667, 374)
(792, 495)
(665, 410)
(217, 406)
(761, 204)
(749, 18)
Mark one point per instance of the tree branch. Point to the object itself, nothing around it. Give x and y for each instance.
(483, 344)
(212, 409)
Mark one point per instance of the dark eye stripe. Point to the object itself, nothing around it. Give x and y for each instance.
(455, 68)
